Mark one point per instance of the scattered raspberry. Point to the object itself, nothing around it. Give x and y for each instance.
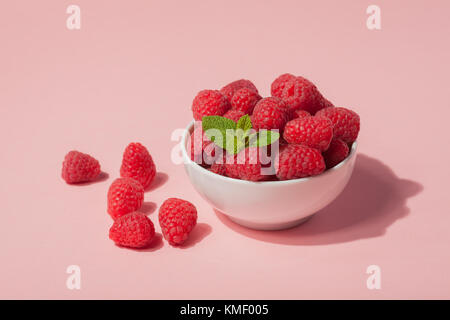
(246, 165)
(300, 93)
(209, 103)
(138, 164)
(134, 230)
(324, 103)
(313, 132)
(345, 123)
(301, 114)
(245, 100)
(125, 195)
(203, 150)
(337, 152)
(79, 167)
(177, 218)
(277, 86)
(297, 161)
(234, 115)
(270, 113)
(234, 86)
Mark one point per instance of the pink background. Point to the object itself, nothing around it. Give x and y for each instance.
(130, 74)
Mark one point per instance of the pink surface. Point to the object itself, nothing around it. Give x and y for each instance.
(131, 73)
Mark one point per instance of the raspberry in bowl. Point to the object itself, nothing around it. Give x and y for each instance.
(268, 205)
(291, 154)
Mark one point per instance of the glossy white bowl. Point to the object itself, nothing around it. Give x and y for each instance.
(268, 205)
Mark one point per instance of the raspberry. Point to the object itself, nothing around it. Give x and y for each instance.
(301, 114)
(270, 113)
(79, 167)
(234, 115)
(297, 161)
(246, 165)
(209, 103)
(245, 100)
(277, 86)
(234, 86)
(300, 93)
(345, 123)
(125, 195)
(138, 164)
(337, 152)
(313, 132)
(218, 168)
(202, 149)
(134, 230)
(177, 218)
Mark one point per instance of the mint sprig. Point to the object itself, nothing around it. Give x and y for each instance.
(233, 137)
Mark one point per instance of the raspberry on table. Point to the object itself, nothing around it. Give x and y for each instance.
(79, 167)
(337, 152)
(125, 195)
(298, 161)
(230, 89)
(234, 115)
(209, 103)
(245, 100)
(314, 132)
(177, 218)
(277, 86)
(203, 150)
(270, 113)
(137, 163)
(346, 123)
(134, 230)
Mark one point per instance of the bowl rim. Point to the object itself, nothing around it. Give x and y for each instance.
(187, 160)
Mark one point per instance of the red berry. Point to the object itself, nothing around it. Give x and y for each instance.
(245, 100)
(247, 165)
(134, 230)
(125, 195)
(218, 168)
(313, 132)
(137, 163)
(177, 218)
(297, 161)
(300, 93)
(337, 152)
(301, 114)
(345, 123)
(234, 115)
(203, 150)
(270, 113)
(79, 167)
(278, 84)
(209, 103)
(234, 86)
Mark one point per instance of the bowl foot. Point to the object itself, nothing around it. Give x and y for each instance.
(269, 226)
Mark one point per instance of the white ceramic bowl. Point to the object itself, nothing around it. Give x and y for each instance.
(268, 205)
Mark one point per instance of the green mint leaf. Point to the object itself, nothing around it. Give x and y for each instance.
(263, 138)
(244, 123)
(215, 128)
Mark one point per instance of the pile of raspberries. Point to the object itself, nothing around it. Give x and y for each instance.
(314, 134)
(132, 228)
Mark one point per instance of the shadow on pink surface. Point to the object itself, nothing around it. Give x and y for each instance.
(160, 179)
(372, 201)
(148, 207)
(200, 232)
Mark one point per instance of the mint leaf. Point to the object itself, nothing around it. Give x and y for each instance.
(244, 123)
(263, 138)
(215, 128)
